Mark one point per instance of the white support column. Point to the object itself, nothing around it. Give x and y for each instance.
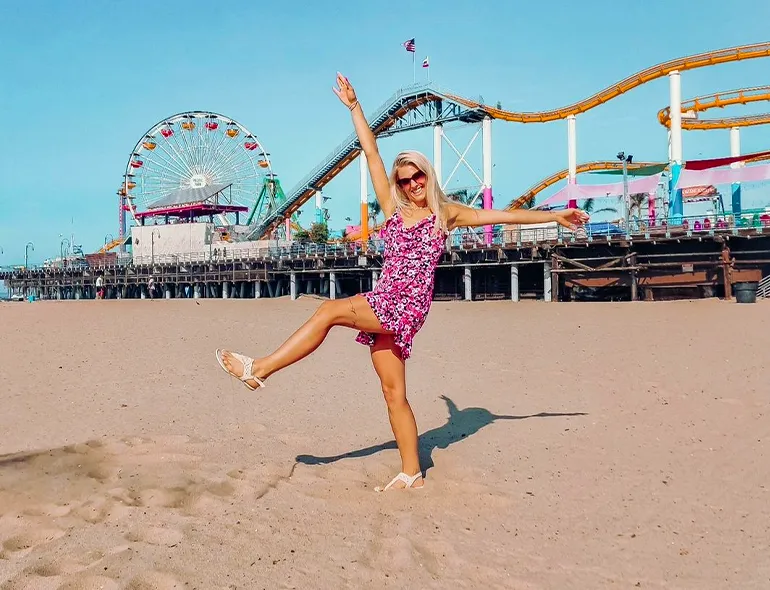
(514, 282)
(735, 145)
(168, 291)
(375, 277)
(486, 156)
(571, 150)
(293, 285)
(547, 295)
(257, 289)
(225, 290)
(364, 170)
(675, 113)
(332, 285)
(676, 207)
(735, 189)
(319, 203)
(467, 283)
(438, 134)
(196, 291)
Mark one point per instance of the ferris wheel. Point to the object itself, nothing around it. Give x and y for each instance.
(194, 158)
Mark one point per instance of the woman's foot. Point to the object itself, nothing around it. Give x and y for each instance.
(403, 481)
(235, 366)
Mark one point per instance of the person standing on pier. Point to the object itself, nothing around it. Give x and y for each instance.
(419, 217)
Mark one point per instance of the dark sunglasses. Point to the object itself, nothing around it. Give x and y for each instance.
(418, 177)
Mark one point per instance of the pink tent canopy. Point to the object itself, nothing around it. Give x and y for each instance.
(688, 178)
(648, 184)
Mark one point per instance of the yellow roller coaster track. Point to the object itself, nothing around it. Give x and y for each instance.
(719, 100)
(532, 192)
(700, 60)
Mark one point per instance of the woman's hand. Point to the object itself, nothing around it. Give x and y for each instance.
(344, 91)
(570, 218)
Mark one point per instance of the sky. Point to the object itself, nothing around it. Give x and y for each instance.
(82, 81)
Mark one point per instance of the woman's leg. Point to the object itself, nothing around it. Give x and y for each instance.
(353, 312)
(389, 365)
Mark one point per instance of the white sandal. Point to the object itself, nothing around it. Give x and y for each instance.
(246, 376)
(409, 481)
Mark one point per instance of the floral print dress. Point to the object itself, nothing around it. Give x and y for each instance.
(402, 297)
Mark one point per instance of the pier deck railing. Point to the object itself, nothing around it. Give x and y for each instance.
(691, 227)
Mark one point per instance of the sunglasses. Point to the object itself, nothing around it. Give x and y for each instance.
(418, 177)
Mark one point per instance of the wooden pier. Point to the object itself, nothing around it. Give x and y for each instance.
(667, 265)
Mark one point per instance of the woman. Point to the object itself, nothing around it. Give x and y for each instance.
(419, 217)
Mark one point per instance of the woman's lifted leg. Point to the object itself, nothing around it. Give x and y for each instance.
(352, 312)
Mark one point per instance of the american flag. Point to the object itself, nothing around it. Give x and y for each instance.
(409, 45)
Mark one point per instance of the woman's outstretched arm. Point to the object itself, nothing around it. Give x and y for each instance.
(347, 95)
(461, 216)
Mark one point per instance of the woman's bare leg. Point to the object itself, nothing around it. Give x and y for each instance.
(390, 368)
(353, 312)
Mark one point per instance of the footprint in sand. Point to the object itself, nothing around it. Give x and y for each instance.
(154, 581)
(90, 583)
(155, 536)
(67, 565)
(29, 540)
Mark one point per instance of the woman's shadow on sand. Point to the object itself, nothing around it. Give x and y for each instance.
(460, 424)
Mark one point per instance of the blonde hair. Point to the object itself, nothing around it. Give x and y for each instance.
(435, 197)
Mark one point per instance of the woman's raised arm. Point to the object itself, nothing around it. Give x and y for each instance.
(347, 95)
(462, 216)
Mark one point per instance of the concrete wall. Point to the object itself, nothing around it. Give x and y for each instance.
(170, 239)
(190, 239)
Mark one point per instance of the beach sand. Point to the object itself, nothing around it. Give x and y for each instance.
(567, 446)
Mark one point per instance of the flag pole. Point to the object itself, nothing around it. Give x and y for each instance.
(414, 68)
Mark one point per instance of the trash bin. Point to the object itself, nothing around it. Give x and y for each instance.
(746, 292)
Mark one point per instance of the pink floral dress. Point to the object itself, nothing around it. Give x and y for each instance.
(402, 297)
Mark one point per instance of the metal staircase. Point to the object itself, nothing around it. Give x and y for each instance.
(425, 102)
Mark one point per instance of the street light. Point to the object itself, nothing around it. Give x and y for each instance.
(626, 160)
(111, 239)
(26, 254)
(62, 250)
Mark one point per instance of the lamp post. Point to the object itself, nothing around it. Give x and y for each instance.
(26, 254)
(108, 238)
(63, 250)
(625, 161)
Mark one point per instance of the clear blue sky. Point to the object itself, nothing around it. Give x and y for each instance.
(83, 80)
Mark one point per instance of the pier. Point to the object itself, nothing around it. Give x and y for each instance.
(545, 263)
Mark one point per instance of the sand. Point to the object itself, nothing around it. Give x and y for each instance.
(567, 446)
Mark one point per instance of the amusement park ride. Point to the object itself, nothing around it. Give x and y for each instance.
(202, 165)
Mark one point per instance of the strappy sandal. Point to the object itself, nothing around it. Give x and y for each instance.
(246, 376)
(409, 481)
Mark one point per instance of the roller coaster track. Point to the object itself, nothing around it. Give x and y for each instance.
(692, 107)
(412, 99)
(532, 192)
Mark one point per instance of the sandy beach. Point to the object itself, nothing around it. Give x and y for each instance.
(567, 446)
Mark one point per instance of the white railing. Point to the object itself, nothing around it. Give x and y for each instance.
(763, 289)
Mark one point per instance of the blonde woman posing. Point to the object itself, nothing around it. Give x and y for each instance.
(419, 217)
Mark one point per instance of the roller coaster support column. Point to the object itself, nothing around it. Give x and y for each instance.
(486, 142)
(571, 156)
(364, 202)
(319, 203)
(438, 134)
(676, 209)
(735, 150)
